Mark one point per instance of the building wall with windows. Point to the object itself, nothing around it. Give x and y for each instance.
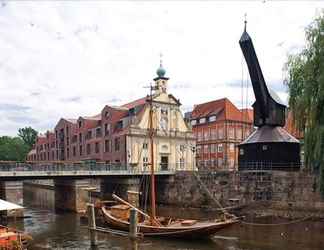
(219, 127)
(120, 134)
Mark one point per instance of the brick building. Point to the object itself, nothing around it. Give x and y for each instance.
(219, 126)
(119, 135)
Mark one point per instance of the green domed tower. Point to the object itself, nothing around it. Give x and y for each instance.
(161, 81)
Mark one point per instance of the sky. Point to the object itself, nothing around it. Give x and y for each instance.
(71, 58)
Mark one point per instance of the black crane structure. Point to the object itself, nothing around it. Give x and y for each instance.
(270, 146)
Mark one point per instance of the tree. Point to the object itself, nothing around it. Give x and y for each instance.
(13, 149)
(28, 134)
(306, 91)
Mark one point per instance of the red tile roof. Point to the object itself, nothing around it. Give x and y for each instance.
(223, 108)
(135, 103)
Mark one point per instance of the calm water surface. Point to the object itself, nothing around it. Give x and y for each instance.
(66, 231)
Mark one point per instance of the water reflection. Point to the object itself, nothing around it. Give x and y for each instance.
(65, 231)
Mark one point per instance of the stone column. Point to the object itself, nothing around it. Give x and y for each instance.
(71, 195)
(119, 186)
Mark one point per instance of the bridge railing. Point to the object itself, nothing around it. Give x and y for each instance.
(82, 166)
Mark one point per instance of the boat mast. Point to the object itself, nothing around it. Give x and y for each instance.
(151, 134)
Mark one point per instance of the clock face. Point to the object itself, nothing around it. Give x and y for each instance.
(164, 123)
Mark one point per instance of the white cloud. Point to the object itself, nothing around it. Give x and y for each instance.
(65, 59)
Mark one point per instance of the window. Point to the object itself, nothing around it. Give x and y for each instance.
(107, 128)
(88, 148)
(213, 134)
(74, 138)
(202, 120)
(68, 153)
(145, 161)
(220, 133)
(212, 118)
(220, 148)
(117, 144)
(164, 111)
(206, 149)
(212, 148)
(97, 147)
(232, 147)
(107, 114)
(198, 149)
(67, 141)
(181, 163)
(74, 151)
(206, 135)
(241, 151)
(80, 124)
(89, 135)
(80, 138)
(220, 162)
(264, 147)
(193, 122)
(231, 133)
(199, 136)
(107, 149)
(182, 148)
(67, 130)
(239, 133)
(98, 132)
(80, 151)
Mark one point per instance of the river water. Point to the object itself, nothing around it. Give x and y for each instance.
(51, 230)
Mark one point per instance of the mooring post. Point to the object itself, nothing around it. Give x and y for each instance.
(133, 228)
(133, 224)
(92, 224)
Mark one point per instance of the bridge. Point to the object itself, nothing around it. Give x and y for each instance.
(72, 179)
(23, 171)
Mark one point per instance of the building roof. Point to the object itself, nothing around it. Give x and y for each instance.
(270, 134)
(223, 108)
(135, 103)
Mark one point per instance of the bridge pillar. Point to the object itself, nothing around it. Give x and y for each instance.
(12, 191)
(71, 195)
(119, 186)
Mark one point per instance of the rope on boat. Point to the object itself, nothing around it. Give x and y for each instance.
(276, 224)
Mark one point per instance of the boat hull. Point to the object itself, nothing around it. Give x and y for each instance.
(198, 230)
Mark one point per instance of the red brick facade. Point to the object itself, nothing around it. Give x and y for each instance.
(101, 137)
(219, 126)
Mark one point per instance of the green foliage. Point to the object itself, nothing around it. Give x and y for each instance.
(28, 134)
(13, 149)
(306, 90)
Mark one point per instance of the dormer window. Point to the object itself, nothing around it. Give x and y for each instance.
(202, 120)
(107, 114)
(212, 118)
(80, 124)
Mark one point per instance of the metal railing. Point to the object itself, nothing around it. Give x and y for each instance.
(82, 166)
(263, 166)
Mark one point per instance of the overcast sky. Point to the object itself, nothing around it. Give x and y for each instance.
(69, 59)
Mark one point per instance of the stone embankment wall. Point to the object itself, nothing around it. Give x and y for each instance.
(278, 189)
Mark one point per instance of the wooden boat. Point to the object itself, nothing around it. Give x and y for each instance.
(168, 227)
(117, 216)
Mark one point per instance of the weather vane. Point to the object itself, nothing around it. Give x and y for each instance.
(245, 21)
(161, 55)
